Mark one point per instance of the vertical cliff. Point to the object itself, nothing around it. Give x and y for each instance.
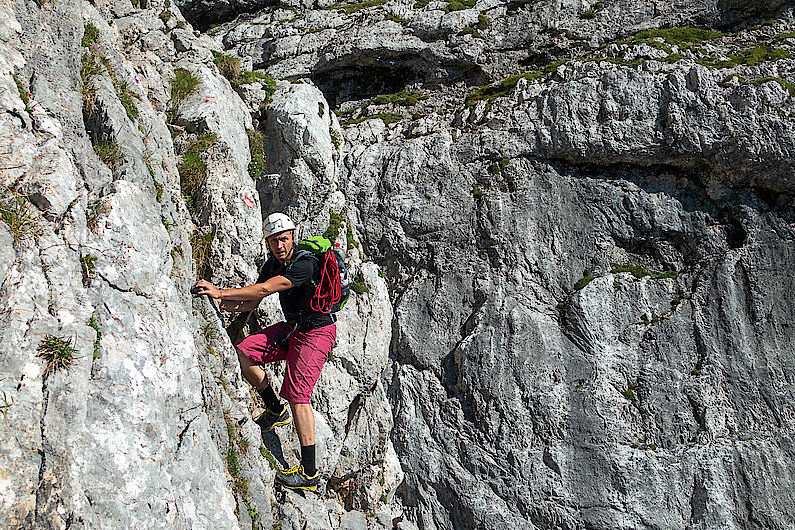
(571, 226)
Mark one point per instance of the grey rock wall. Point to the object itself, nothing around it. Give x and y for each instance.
(574, 294)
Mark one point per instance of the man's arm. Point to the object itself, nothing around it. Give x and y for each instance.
(258, 291)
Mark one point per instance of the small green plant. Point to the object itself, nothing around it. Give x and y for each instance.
(353, 8)
(387, 117)
(498, 166)
(484, 22)
(108, 152)
(92, 323)
(588, 15)
(335, 222)
(90, 35)
(639, 272)
(395, 18)
(321, 109)
(23, 94)
(269, 457)
(88, 265)
(786, 85)
(419, 4)
(587, 277)
(336, 138)
(127, 98)
(247, 77)
(182, 85)
(403, 98)
(471, 31)
(477, 193)
(239, 482)
(6, 405)
(158, 188)
(228, 66)
(201, 244)
(459, 5)
(57, 352)
(383, 498)
(629, 395)
(677, 36)
(165, 16)
(19, 214)
(192, 168)
(504, 87)
(359, 286)
(256, 145)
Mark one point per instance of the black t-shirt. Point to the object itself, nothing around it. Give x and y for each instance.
(304, 272)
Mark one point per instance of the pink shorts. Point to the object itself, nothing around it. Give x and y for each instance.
(305, 353)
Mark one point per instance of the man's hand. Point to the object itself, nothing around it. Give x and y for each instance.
(208, 289)
(239, 306)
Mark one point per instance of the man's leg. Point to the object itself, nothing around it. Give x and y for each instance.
(251, 352)
(251, 372)
(305, 425)
(306, 355)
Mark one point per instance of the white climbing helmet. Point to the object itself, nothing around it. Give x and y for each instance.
(276, 223)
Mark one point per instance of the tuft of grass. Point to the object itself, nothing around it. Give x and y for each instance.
(403, 98)
(492, 92)
(335, 222)
(639, 272)
(93, 214)
(471, 31)
(108, 152)
(256, 145)
(484, 22)
(200, 246)
(677, 36)
(192, 168)
(239, 483)
(419, 4)
(477, 193)
(786, 85)
(165, 16)
(23, 94)
(183, 84)
(387, 117)
(228, 66)
(629, 395)
(336, 138)
(88, 266)
(395, 18)
(498, 167)
(588, 15)
(127, 98)
(321, 109)
(20, 215)
(587, 277)
(90, 35)
(459, 5)
(353, 8)
(92, 323)
(58, 352)
(360, 287)
(269, 457)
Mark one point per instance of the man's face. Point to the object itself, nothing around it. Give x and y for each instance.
(281, 245)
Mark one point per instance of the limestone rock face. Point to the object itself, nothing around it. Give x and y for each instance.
(570, 229)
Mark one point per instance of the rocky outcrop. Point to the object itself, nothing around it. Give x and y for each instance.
(570, 227)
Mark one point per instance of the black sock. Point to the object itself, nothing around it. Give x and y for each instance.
(308, 459)
(269, 397)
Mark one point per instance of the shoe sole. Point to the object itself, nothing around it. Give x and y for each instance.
(306, 488)
(277, 424)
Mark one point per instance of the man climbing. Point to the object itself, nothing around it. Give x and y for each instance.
(304, 341)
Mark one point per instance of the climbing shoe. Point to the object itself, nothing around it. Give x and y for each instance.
(296, 479)
(273, 418)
